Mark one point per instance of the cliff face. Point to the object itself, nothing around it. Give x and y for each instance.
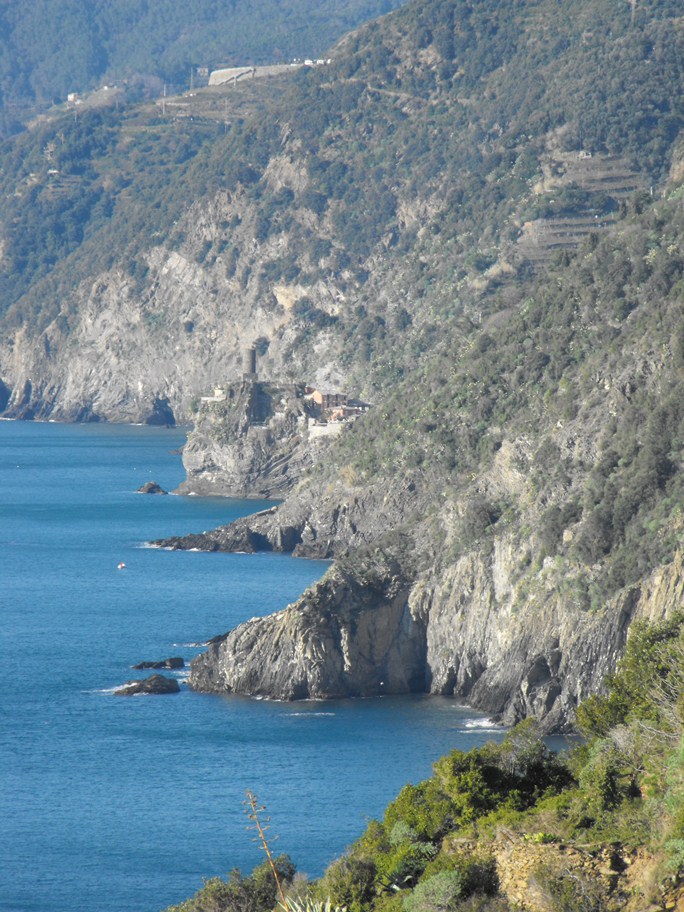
(537, 656)
(126, 348)
(363, 633)
(344, 638)
(508, 597)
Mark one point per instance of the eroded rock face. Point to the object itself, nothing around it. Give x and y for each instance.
(353, 636)
(343, 638)
(129, 350)
(509, 643)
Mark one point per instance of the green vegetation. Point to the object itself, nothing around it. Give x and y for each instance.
(257, 892)
(600, 331)
(445, 844)
(51, 47)
(421, 145)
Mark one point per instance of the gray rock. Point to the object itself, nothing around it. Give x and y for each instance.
(151, 487)
(155, 684)
(343, 638)
(353, 635)
(252, 443)
(172, 663)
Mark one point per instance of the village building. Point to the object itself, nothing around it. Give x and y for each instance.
(333, 407)
(327, 411)
(219, 395)
(327, 400)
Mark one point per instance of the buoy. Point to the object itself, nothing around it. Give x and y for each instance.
(121, 565)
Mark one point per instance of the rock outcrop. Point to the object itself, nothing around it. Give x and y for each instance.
(346, 637)
(174, 662)
(151, 487)
(155, 684)
(251, 440)
(374, 630)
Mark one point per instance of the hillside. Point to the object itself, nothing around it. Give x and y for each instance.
(50, 48)
(338, 215)
(510, 505)
(505, 515)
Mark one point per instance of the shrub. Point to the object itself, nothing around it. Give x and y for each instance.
(646, 685)
(440, 893)
(566, 890)
(600, 778)
(348, 882)
(254, 893)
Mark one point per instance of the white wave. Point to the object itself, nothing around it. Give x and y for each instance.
(484, 724)
(189, 645)
(312, 714)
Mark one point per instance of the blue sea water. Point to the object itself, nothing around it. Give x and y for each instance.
(111, 804)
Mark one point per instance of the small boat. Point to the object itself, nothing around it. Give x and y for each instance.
(121, 565)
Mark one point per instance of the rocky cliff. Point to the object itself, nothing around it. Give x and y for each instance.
(372, 626)
(507, 566)
(416, 610)
(131, 349)
(346, 637)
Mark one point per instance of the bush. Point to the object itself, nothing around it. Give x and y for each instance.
(348, 882)
(566, 890)
(440, 893)
(600, 778)
(647, 683)
(255, 893)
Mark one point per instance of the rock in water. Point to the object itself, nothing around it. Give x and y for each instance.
(174, 662)
(151, 487)
(155, 684)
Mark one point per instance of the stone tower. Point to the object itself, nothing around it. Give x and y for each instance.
(249, 357)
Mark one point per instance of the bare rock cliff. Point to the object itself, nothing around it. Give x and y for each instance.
(133, 348)
(343, 638)
(361, 633)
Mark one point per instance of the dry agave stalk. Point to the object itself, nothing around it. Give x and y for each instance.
(254, 809)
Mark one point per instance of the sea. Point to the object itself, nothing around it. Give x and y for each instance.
(126, 804)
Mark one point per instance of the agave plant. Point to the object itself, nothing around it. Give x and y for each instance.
(310, 905)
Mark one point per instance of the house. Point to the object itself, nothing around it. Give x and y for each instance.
(219, 395)
(326, 400)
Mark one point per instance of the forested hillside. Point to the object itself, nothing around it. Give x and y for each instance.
(49, 48)
(341, 213)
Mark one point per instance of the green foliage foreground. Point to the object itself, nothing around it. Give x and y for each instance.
(438, 846)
